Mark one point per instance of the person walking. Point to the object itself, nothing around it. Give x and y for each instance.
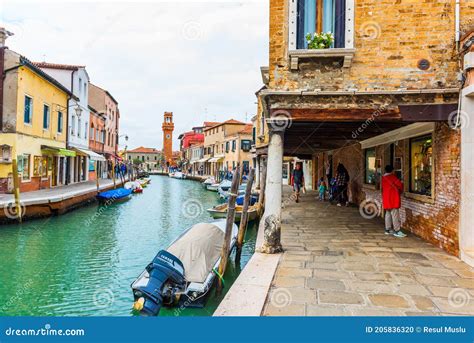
(322, 189)
(297, 181)
(342, 180)
(392, 187)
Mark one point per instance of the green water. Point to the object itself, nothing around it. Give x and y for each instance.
(82, 263)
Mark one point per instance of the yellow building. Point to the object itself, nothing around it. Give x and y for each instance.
(34, 126)
(237, 149)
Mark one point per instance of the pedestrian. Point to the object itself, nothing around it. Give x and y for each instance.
(322, 189)
(392, 188)
(297, 181)
(342, 180)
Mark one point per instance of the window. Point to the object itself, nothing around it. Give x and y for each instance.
(233, 145)
(79, 127)
(92, 134)
(73, 125)
(60, 122)
(143, 158)
(370, 168)
(246, 144)
(28, 111)
(24, 166)
(80, 86)
(226, 146)
(320, 16)
(421, 165)
(45, 117)
(86, 128)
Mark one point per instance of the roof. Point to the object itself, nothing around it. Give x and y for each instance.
(227, 122)
(57, 66)
(247, 129)
(105, 91)
(27, 63)
(144, 150)
(210, 123)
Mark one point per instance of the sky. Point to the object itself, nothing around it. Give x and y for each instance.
(198, 59)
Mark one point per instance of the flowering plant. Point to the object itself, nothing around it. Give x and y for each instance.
(322, 40)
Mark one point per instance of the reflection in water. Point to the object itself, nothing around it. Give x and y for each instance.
(82, 263)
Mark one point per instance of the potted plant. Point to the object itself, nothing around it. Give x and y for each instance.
(321, 40)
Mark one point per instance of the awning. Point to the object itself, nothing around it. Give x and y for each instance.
(58, 151)
(202, 160)
(92, 155)
(217, 159)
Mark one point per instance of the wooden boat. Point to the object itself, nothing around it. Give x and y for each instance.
(220, 211)
(135, 186)
(114, 195)
(183, 274)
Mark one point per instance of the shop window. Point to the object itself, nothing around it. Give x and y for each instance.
(421, 165)
(370, 167)
(24, 166)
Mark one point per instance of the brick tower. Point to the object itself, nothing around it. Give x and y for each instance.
(168, 127)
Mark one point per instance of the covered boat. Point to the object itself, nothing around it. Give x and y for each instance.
(209, 181)
(220, 211)
(135, 186)
(184, 272)
(119, 194)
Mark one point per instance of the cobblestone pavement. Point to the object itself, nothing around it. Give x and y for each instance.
(337, 263)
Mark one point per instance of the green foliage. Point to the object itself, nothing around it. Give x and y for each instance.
(322, 40)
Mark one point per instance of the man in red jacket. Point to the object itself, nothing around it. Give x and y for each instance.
(392, 187)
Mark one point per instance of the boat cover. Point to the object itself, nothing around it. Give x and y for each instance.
(114, 194)
(198, 249)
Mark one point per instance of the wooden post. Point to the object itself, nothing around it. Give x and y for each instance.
(16, 189)
(97, 175)
(245, 216)
(113, 173)
(263, 183)
(229, 226)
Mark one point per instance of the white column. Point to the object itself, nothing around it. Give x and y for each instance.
(273, 188)
(466, 220)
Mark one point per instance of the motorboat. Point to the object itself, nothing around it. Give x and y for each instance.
(209, 181)
(224, 186)
(220, 211)
(183, 273)
(114, 195)
(178, 175)
(135, 186)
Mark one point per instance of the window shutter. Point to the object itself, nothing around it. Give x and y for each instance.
(340, 24)
(292, 24)
(349, 36)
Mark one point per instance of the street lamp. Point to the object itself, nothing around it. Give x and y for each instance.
(78, 111)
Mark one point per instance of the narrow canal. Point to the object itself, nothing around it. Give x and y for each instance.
(82, 263)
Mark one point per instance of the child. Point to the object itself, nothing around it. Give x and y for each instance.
(322, 190)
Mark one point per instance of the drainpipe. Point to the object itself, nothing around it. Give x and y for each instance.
(4, 34)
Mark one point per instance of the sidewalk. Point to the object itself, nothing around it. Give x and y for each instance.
(336, 263)
(56, 194)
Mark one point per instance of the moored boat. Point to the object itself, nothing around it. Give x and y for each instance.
(184, 272)
(213, 187)
(135, 186)
(220, 211)
(209, 181)
(119, 194)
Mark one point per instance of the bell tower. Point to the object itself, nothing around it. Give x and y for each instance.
(168, 127)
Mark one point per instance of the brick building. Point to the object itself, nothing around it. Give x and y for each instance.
(385, 92)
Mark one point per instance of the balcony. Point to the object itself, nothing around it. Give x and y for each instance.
(344, 54)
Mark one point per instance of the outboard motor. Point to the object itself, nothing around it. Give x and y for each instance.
(165, 277)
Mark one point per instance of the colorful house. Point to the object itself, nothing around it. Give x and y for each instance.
(34, 124)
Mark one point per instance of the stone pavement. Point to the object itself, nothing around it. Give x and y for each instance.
(56, 194)
(336, 263)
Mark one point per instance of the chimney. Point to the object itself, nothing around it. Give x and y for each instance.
(4, 34)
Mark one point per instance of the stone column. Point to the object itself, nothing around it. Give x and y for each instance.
(257, 172)
(270, 224)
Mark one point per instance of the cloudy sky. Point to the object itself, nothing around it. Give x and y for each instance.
(198, 59)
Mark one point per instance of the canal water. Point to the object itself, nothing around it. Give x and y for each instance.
(82, 263)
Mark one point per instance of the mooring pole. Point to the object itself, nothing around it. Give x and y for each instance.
(245, 215)
(16, 189)
(113, 173)
(228, 227)
(97, 175)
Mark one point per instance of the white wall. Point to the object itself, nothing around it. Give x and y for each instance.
(80, 137)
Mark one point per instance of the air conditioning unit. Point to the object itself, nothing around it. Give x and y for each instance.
(469, 61)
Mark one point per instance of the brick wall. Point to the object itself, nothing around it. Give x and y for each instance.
(391, 36)
(435, 221)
